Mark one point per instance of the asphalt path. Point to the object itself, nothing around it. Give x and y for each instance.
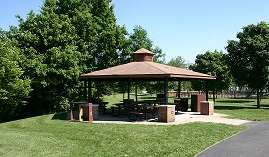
(249, 143)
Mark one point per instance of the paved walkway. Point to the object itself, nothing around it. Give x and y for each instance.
(249, 143)
(180, 118)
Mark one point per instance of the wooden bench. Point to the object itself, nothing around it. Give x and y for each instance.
(133, 114)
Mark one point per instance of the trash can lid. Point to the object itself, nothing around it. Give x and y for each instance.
(92, 105)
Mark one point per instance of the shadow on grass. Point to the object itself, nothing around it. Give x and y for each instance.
(262, 106)
(232, 107)
(252, 107)
(141, 94)
(59, 116)
(235, 101)
(149, 97)
(265, 106)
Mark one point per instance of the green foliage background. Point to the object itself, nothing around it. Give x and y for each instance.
(53, 48)
(248, 58)
(14, 86)
(212, 63)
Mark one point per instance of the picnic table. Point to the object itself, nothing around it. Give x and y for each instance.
(148, 109)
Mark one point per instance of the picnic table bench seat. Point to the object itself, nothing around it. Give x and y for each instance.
(134, 114)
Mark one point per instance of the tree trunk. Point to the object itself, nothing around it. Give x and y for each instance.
(214, 99)
(258, 99)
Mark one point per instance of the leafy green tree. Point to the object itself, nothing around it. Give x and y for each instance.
(248, 58)
(180, 63)
(139, 39)
(212, 63)
(14, 87)
(67, 38)
(99, 34)
(158, 55)
(136, 40)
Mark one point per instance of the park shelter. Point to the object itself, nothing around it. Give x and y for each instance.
(143, 69)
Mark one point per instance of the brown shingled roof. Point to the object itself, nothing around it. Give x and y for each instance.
(145, 70)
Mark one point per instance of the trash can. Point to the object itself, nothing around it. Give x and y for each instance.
(184, 104)
(178, 104)
(195, 102)
(166, 113)
(95, 113)
(207, 107)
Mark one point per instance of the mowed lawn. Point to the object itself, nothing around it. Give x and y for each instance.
(50, 135)
(241, 108)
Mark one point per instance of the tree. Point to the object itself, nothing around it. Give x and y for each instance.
(99, 34)
(212, 63)
(67, 38)
(180, 63)
(14, 87)
(248, 58)
(139, 39)
(136, 40)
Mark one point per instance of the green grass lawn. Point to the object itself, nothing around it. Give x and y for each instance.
(243, 108)
(52, 135)
(49, 136)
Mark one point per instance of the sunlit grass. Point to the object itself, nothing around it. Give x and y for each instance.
(52, 135)
(47, 136)
(243, 108)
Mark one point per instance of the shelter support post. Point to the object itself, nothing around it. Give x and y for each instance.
(166, 90)
(85, 90)
(129, 89)
(136, 93)
(179, 89)
(206, 90)
(90, 91)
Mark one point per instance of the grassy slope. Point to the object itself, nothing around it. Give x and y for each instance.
(48, 136)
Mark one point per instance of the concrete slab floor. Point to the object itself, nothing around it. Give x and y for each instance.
(180, 118)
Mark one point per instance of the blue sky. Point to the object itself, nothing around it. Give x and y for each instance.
(179, 27)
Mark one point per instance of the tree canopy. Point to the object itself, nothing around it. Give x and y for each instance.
(212, 63)
(67, 38)
(14, 87)
(139, 39)
(180, 63)
(248, 58)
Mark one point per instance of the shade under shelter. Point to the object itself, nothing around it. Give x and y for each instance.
(144, 69)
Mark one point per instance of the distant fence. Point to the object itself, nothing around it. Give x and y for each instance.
(224, 94)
